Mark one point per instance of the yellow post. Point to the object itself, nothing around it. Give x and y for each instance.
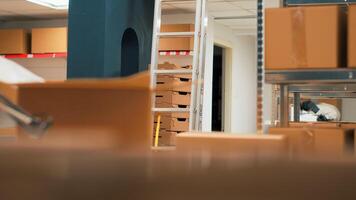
(157, 130)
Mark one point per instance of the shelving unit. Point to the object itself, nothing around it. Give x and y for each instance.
(39, 55)
(176, 53)
(335, 83)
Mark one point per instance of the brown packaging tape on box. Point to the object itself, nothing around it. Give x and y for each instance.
(299, 55)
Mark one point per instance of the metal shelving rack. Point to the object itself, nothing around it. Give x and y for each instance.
(333, 83)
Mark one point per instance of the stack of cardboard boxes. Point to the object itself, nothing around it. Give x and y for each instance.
(38, 40)
(173, 91)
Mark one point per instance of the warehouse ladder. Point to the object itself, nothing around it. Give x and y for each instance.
(195, 109)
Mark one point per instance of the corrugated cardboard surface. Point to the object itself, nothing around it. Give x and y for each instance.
(168, 98)
(304, 37)
(13, 41)
(323, 142)
(221, 144)
(173, 124)
(172, 44)
(173, 115)
(173, 83)
(315, 125)
(167, 138)
(49, 40)
(352, 37)
(92, 113)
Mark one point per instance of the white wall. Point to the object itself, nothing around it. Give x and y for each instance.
(244, 85)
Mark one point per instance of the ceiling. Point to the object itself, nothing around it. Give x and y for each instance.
(11, 10)
(225, 12)
(239, 15)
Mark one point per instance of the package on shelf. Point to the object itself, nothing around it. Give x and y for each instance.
(173, 115)
(166, 138)
(314, 124)
(173, 124)
(179, 124)
(177, 44)
(174, 83)
(310, 37)
(14, 41)
(168, 98)
(352, 36)
(49, 40)
(167, 65)
(317, 141)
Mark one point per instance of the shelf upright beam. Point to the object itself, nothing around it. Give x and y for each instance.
(284, 105)
(260, 65)
(296, 107)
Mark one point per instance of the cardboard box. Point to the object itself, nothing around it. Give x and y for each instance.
(167, 65)
(109, 114)
(352, 36)
(311, 37)
(167, 138)
(13, 41)
(176, 44)
(173, 115)
(314, 124)
(173, 124)
(179, 125)
(49, 40)
(173, 83)
(322, 142)
(169, 98)
(230, 145)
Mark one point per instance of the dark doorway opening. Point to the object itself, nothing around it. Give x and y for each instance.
(217, 105)
(129, 53)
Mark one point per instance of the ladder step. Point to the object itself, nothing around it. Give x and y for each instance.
(171, 110)
(174, 71)
(176, 34)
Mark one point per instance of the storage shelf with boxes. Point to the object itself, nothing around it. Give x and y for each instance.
(308, 55)
(173, 91)
(43, 51)
(18, 43)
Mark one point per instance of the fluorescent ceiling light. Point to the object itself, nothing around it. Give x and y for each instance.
(55, 4)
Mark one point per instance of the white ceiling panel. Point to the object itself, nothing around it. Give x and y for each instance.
(22, 9)
(220, 10)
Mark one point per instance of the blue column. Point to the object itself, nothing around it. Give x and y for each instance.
(96, 30)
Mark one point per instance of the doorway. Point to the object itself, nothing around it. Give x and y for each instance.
(129, 53)
(218, 89)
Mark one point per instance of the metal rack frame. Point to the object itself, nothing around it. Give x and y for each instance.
(333, 83)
